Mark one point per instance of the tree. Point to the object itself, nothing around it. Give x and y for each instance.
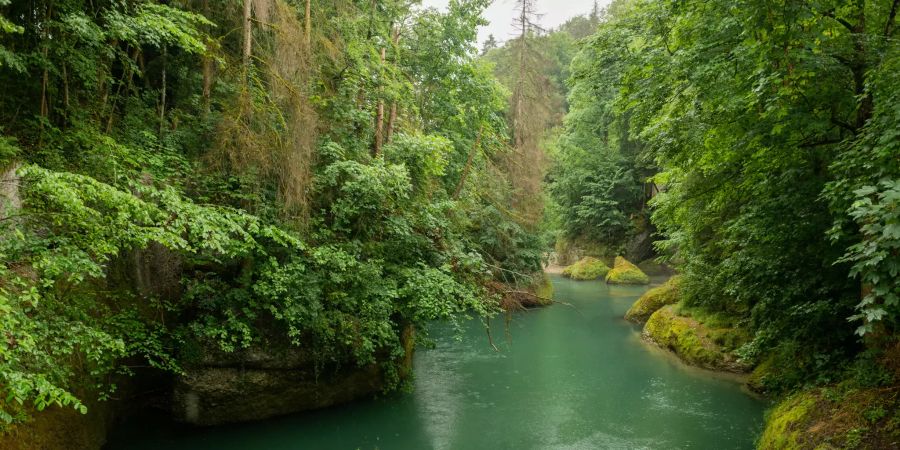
(489, 44)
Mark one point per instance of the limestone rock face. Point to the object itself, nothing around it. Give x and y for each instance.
(261, 383)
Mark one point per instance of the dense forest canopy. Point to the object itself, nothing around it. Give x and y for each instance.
(187, 174)
(766, 135)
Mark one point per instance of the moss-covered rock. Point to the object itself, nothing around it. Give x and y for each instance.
(690, 340)
(652, 300)
(60, 428)
(835, 417)
(785, 423)
(624, 272)
(588, 268)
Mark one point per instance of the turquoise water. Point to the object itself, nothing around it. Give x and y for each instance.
(573, 376)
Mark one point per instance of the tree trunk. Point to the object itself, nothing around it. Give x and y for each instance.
(162, 100)
(468, 167)
(379, 113)
(392, 118)
(393, 115)
(207, 69)
(248, 37)
(308, 30)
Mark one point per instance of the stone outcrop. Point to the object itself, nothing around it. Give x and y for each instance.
(258, 383)
(653, 300)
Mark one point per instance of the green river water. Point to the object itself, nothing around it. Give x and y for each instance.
(568, 377)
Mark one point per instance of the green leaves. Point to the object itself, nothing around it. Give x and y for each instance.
(172, 204)
(159, 25)
(876, 259)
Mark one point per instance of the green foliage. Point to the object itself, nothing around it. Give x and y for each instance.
(178, 197)
(874, 259)
(778, 209)
(597, 175)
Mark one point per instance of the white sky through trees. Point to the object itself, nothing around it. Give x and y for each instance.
(502, 12)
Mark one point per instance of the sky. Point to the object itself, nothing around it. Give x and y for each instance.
(501, 13)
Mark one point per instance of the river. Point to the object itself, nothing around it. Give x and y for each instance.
(570, 376)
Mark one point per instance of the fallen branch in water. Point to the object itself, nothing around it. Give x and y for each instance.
(487, 328)
(529, 294)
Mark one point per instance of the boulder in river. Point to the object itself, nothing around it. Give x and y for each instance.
(587, 268)
(652, 300)
(624, 272)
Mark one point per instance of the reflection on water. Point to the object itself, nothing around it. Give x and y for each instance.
(568, 377)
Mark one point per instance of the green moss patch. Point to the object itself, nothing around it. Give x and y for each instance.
(624, 272)
(59, 428)
(690, 340)
(588, 268)
(543, 288)
(835, 417)
(786, 423)
(652, 300)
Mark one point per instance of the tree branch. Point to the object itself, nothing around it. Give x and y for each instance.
(843, 22)
(892, 16)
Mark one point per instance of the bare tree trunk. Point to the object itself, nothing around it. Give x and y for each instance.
(308, 29)
(207, 68)
(379, 114)
(45, 107)
(65, 86)
(468, 167)
(162, 101)
(248, 36)
(392, 119)
(126, 85)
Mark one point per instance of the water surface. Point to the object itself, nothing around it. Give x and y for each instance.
(573, 376)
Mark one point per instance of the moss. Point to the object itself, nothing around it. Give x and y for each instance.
(690, 340)
(59, 428)
(839, 416)
(543, 288)
(786, 423)
(588, 268)
(761, 376)
(652, 300)
(624, 272)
